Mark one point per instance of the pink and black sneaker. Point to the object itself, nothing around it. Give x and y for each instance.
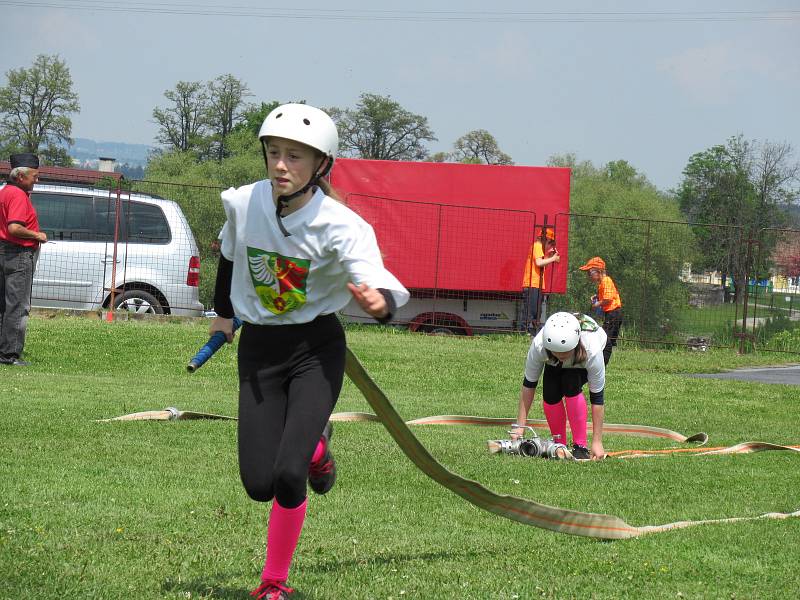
(322, 474)
(580, 452)
(272, 590)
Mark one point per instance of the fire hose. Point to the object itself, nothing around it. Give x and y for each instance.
(557, 519)
(529, 512)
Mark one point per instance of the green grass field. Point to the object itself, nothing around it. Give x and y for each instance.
(150, 510)
(782, 301)
(714, 321)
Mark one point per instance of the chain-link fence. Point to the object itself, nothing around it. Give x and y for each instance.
(463, 265)
(772, 321)
(672, 292)
(203, 209)
(681, 284)
(117, 248)
(697, 285)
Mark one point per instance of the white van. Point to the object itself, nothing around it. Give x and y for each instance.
(153, 268)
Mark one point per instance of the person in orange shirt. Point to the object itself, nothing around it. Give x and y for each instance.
(542, 253)
(607, 300)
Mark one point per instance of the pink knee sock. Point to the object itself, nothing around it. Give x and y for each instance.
(285, 525)
(576, 412)
(319, 452)
(557, 421)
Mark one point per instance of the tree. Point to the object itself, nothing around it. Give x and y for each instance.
(182, 126)
(35, 106)
(131, 171)
(621, 171)
(578, 170)
(787, 256)
(379, 128)
(439, 157)
(741, 187)
(226, 108)
(775, 177)
(244, 162)
(253, 117)
(479, 147)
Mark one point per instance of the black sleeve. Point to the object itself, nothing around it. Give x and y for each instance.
(529, 384)
(391, 304)
(222, 288)
(597, 398)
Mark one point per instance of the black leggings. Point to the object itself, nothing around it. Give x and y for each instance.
(290, 377)
(612, 321)
(559, 382)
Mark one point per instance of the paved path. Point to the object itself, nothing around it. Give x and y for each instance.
(790, 375)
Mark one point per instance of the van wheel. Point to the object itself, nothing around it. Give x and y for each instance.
(443, 330)
(139, 302)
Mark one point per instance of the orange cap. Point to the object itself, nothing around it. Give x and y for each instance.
(594, 263)
(548, 233)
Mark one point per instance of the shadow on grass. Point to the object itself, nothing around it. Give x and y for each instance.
(210, 587)
(336, 565)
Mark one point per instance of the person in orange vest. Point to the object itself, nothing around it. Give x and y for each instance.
(542, 253)
(607, 299)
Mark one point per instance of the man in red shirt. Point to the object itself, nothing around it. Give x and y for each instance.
(19, 246)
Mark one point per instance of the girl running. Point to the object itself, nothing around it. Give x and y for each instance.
(569, 349)
(291, 256)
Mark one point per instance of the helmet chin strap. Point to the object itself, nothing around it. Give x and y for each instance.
(284, 199)
(283, 202)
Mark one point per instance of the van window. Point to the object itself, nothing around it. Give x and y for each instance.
(68, 217)
(64, 217)
(139, 224)
(146, 224)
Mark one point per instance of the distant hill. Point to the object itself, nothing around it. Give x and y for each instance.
(87, 151)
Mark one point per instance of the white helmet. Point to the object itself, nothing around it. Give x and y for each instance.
(561, 332)
(302, 123)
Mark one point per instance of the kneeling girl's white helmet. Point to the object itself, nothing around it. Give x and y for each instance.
(302, 123)
(561, 332)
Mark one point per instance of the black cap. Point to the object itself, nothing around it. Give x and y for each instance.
(25, 159)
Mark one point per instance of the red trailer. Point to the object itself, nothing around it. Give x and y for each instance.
(457, 235)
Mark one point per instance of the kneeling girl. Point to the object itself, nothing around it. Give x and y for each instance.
(569, 350)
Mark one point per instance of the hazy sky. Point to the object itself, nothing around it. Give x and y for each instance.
(651, 82)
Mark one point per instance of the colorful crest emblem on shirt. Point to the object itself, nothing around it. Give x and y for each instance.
(279, 281)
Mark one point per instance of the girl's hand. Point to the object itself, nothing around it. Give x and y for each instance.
(598, 452)
(517, 432)
(369, 299)
(224, 325)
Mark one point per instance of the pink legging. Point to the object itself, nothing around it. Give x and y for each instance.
(285, 525)
(572, 408)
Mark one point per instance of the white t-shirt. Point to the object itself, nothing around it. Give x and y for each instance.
(593, 338)
(280, 280)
